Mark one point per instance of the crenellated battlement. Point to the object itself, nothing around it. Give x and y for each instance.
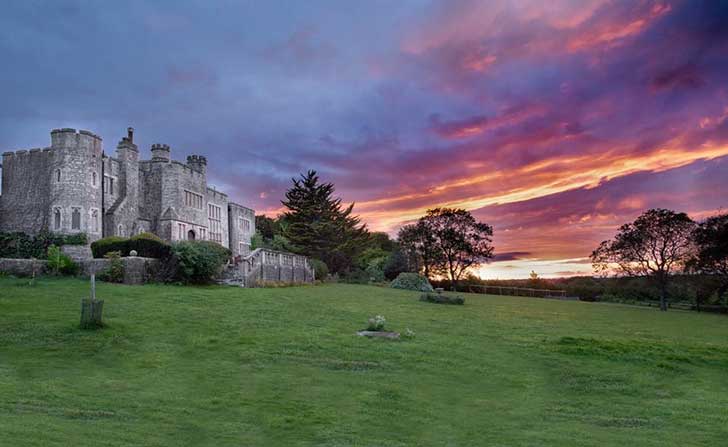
(161, 152)
(71, 138)
(198, 163)
(20, 153)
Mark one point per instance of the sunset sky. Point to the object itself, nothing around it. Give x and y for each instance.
(555, 124)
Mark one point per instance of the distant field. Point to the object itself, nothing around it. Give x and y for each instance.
(282, 367)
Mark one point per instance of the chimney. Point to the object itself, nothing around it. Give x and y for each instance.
(130, 134)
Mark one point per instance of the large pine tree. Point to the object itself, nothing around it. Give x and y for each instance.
(317, 225)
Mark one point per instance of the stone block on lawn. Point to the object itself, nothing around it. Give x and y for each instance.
(379, 334)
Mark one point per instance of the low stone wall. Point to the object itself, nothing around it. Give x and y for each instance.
(23, 267)
(77, 252)
(136, 270)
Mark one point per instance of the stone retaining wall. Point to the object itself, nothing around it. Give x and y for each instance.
(137, 270)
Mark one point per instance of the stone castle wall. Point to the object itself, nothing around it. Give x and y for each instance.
(112, 196)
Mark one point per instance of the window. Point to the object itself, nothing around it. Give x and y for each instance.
(244, 224)
(95, 221)
(203, 233)
(57, 218)
(214, 214)
(58, 175)
(93, 179)
(181, 231)
(109, 186)
(193, 200)
(120, 230)
(76, 219)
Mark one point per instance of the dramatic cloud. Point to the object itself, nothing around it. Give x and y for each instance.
(556, 122)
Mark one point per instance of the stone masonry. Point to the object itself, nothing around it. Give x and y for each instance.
(73, 186)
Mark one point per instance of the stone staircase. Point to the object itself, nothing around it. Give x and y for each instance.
(263, 265)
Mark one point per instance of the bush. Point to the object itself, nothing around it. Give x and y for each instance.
(198, 262)
(412, 281)
(355, 276)
(320, 269)
(108, 244)
(115, 272)
(23, 246)
(60, 263)
(148, 245)
(376, 323)
(375, 269)
(396, 263)
(440, 298)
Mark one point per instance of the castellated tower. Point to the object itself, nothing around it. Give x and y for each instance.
(54, 189)
(197, 163)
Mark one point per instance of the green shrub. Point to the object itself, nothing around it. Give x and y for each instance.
(440, 298)
(412, 281)
(59, 263)
(23, 246)
(320, 269)
(149, 245)
(375, 269)
(355, 276)
(111, 243)
(198, 262)
(115, 272)
(376, 323)
(395, 264)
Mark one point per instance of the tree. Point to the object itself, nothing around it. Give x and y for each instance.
(267, 227)
(382, 241)
(420, 248)
(711, 254)
(462, 241)
(656, 245)
(317, 225)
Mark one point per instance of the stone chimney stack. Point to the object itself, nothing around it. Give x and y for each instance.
(130, 134)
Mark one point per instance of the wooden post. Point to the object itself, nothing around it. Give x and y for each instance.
(91, 309)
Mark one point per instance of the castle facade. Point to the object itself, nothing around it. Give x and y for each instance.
(73, 187)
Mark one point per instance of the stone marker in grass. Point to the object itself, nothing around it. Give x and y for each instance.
(91, 309)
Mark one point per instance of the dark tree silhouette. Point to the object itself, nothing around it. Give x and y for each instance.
(711, 254)
(317, 225)
(462, 241)
(419, 244)
(656, 245)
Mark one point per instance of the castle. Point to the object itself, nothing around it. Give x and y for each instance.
(74, 187)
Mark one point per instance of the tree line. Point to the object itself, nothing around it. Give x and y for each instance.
(661, 244)
(448, 243)
(445, 242)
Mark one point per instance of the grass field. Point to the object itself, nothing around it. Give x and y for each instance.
(282, 367)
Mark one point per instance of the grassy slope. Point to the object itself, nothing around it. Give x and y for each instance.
(226, 366)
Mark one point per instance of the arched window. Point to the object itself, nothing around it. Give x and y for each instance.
(58, 175)
(93, 179)
(121, 230)
(57, 219)
(76, 219)
(95, 221)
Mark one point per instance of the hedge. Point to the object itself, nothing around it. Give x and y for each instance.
(146, 245)
(20, 245)
(109, 244)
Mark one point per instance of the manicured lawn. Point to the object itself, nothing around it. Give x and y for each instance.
(282, 367)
